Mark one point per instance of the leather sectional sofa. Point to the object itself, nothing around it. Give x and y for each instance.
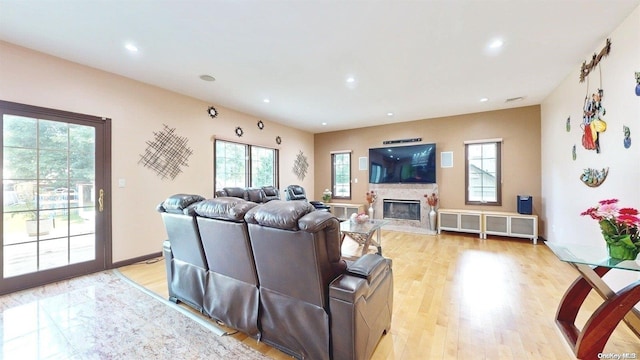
(257, 195)
(274, 271)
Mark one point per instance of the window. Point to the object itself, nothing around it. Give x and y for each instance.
(243, 165)
(341, 175)
(263, 165)
(483, 179)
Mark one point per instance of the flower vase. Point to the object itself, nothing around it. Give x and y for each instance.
(370, 211)
(432, 219)
(621, 247)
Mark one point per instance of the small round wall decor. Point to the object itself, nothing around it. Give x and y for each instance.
(278, 140)
(212, 112)
(260, 125)
(239, 131)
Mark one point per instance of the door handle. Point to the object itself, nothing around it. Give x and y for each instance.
(101, 200)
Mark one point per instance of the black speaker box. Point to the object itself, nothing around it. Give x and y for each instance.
(525, 204)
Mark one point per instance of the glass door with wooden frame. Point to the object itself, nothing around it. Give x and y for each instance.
(54, 224)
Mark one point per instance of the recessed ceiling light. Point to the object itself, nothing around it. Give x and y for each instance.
(496, 44)
(389, 114)
(266, 100)
(131, 47)
(324, 124)
(207, 78)
(351, 82)
(484, 100)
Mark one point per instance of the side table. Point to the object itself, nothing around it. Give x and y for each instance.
(592, 263)
(363, 233)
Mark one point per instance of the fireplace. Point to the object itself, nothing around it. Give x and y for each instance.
(410, 196)
(401, 209)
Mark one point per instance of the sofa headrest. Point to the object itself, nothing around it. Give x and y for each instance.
(179, 203)
(271, 191)
(255, 195)
(279, 214)
(226, 208)
(296, 192)
(296, 189)
(235, 192)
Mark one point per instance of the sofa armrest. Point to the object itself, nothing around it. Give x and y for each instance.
(367, 266)
(361, 306)
(361, 278)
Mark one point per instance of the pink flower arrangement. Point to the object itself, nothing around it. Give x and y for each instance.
(616, 223)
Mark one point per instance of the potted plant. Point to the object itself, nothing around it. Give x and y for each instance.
(40, 226)
(620, 227)
(326, 195)
(33, 225)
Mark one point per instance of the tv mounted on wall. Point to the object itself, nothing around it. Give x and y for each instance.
(414, 164)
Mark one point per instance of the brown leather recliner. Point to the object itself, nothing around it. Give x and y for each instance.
(231, 293)
(296, 192)
(312, 306)
(185, 261)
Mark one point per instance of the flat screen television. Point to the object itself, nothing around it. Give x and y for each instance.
(403, 164)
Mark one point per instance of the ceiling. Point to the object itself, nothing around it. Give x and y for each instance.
(414, 59)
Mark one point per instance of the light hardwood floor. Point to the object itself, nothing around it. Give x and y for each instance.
(459, 297)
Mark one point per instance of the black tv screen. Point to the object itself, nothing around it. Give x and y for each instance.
(403, 164)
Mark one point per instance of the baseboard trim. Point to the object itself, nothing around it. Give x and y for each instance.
(135, 260)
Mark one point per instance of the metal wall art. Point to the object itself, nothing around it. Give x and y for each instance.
(167, 153)
(300, 166)
(212, 112)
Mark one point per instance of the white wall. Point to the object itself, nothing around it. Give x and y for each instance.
(565, 197)
(137, 110)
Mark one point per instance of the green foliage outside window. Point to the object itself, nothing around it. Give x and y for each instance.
(242, 165)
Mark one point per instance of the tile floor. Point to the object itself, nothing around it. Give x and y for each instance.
(102, 316)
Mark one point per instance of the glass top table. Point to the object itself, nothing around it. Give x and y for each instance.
(591, 255)
(363, 233)
(592, 263)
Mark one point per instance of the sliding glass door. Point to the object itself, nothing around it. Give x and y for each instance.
(55, 218)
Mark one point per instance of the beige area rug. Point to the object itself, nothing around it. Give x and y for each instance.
(106, 316)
